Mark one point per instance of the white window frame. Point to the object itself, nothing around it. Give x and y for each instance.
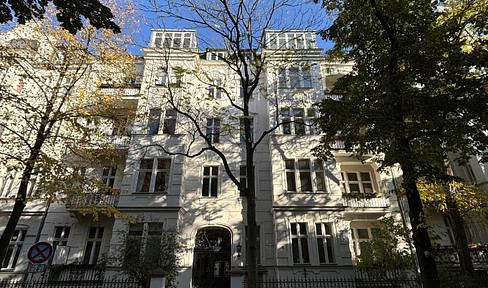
(301, 238)
(215, 89)
(175, 39)
(15, 246)
(295, 77)
(109, 176)
(60, 239)
(362, 184)
(92, 254)
(290, 40)
(213, 128)
(210, 180)
(325, 238)
(169, 122)
(154, 174)
(154, 121)
(356, 241)
(293, 173)
(145, 233)
(301, 121)
(242, 134)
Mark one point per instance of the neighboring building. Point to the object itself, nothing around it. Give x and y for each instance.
(306, 211)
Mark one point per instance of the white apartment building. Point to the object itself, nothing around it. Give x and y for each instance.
(306, 217)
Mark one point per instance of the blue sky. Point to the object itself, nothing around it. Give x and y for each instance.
(151, 21)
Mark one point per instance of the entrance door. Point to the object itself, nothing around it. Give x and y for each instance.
(211, 262)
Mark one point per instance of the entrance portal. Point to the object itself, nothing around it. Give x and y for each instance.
(211, 262)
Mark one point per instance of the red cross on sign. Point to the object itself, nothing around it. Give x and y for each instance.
(40, 252)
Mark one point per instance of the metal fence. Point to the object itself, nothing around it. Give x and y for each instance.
(355, 282)
(70, 284)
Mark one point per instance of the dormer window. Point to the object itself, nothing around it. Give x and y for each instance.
(182, 39)
(216, 55)
(290, 40)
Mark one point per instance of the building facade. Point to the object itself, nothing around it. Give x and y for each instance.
(312, 214)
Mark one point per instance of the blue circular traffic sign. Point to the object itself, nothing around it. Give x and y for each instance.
(40, 252)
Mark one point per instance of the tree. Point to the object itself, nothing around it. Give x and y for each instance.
(418, 91)
(54, 118)
(382, 255)
(69, 13)
(140, 257)
(239, 27)
(460, 202)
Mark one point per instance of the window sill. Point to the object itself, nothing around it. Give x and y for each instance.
(307, 192)
(295, 88)
(150, 193)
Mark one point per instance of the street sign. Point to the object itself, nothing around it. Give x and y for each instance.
(40, 252)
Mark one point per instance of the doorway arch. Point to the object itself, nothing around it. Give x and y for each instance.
(211, 258)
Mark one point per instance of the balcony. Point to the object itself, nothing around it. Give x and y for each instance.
(448, 256)
(366, 202)
(92, 199)
(75, 273)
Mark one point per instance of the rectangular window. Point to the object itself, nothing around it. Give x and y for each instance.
(60, 238)
(299, 243)
(311, 116)
(243, 178)
(359, 236)
(242, 133)
(108, 176)
(325, 243)
(153, 121)
(213, 130)
(305, 174)
(290, 175)
(286, 118)
(318, 166)
(215, 89)
(210, 181)
(14, 248)
(162, 77)
(144, 239)
(169, 125)
(357, 182)
(301, 176)
(295, 77)
(154, 175)
(299, 122)
(93, 245)
(298, 115)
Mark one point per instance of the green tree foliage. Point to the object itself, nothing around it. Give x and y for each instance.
(460, 202)
(382, 256)
(417, 92)
(69, 13)
(141, 257)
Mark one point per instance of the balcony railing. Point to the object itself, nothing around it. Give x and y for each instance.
(449, 257)
(377, 202)
(93, 199)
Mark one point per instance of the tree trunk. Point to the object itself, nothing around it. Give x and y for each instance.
(20, 202)
(421, 240)
(459, 231)
(21, 198)
(251, 244)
